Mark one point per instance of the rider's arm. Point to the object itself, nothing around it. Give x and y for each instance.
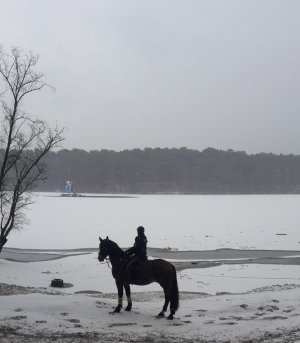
(130, 251)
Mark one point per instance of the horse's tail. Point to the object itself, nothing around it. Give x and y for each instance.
(174, 296)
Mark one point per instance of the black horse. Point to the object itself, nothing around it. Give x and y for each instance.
(159, 271)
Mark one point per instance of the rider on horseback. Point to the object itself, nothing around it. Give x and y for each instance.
(138, 252)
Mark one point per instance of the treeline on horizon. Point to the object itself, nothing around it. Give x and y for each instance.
(183, 170)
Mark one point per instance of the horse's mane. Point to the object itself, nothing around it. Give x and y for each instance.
(115, 246)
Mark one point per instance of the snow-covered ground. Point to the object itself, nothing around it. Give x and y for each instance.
(226, 295)
(224, 303)
(263, 315)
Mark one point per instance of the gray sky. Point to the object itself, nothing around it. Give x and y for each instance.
(165, 73)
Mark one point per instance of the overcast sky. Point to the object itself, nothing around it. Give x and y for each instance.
(165, 73)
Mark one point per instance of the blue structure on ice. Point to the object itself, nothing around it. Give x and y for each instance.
(68, 191)
(69, 187)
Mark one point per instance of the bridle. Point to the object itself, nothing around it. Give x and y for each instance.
(104, 249)
(107, 260)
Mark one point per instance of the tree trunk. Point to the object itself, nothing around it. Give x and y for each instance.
(3, 241)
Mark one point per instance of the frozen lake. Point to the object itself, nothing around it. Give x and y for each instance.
(184, 222)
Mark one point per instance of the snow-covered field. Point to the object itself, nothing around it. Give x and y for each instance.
(227, 295)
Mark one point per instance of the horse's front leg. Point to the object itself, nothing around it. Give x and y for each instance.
(119, 284)
(128, 294)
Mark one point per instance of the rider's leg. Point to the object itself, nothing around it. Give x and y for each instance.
(130, 267)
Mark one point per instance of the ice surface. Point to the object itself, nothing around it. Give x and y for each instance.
(184, 222)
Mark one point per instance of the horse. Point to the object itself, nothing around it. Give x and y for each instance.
(158, 270)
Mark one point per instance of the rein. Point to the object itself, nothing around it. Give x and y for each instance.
(107, 262)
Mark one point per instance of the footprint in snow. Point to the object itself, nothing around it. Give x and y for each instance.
(274, 318)
(73, 320)
(209, 322)
(121, 324)
(269, 308)
(229, 323)
(18, 317)
(201, 310)
(259, 314)
(237, 318)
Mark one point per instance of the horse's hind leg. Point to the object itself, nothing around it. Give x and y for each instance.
(165, 307)
(167, 291)
(174, 295)
(171, 315)
(128, 294)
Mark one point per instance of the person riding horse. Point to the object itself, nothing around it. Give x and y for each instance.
(157, 270)
(138, 252)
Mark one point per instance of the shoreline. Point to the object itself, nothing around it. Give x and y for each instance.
(181, 259)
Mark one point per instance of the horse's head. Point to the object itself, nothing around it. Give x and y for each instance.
(103, 249)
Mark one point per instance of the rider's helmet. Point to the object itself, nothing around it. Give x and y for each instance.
(140, 230)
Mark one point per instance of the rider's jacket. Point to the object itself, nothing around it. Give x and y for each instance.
(140, 247)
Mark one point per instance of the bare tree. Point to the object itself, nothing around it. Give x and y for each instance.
(24, 141)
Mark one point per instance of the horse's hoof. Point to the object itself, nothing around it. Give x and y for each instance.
(128, 308)
(170, 317)
(117, 309)
(161, 314)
